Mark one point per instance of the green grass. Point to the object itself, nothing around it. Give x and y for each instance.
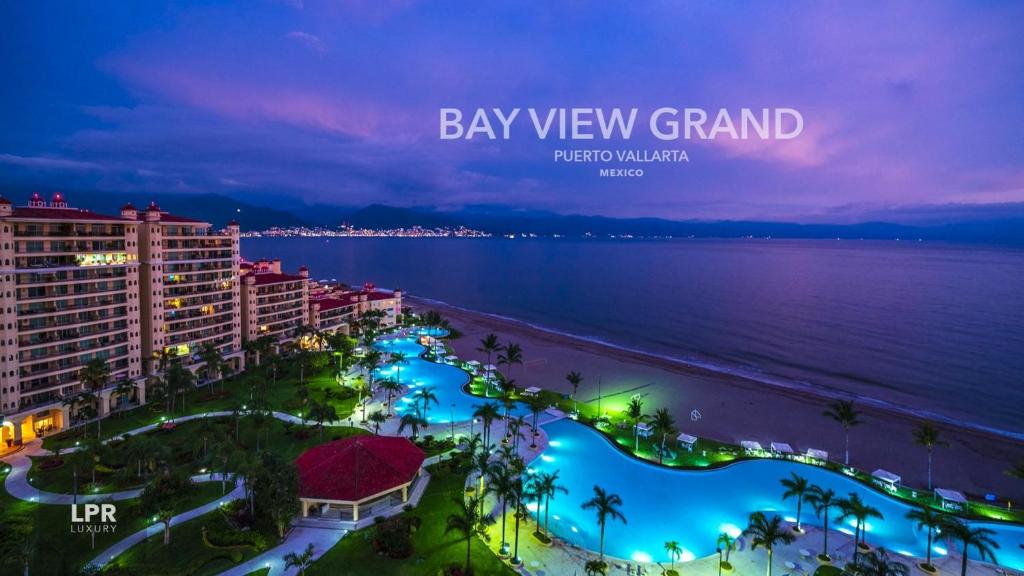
(432, 548)
(187, 553)
(827, 570)
(58, 551)
(283, 396)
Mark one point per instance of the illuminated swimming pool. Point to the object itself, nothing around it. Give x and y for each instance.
(447, 381)
(693, 507)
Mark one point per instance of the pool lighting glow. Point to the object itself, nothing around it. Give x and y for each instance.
(547, 458)
(731, 529)
(639, 556)
(940, 550)
(555, 443)
(790, 519)
(532, 506)
(687, 556)
(557, 517)
(575, 531)
(846, 531)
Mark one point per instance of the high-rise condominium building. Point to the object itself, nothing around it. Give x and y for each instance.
(69, 281)
(274, 303)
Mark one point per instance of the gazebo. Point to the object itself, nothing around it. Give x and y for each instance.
(951, 499)
(340, 477)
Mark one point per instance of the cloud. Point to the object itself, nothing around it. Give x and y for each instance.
(49, 163)
(308, 40)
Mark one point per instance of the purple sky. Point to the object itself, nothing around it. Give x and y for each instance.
(337, 102)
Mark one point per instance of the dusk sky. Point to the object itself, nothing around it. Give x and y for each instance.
(905, 104)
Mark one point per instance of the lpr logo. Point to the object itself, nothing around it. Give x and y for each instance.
(93, 518)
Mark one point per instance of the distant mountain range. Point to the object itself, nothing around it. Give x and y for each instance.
(1002, 225)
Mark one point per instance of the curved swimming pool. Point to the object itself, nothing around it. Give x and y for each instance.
(446, 380)
(694, 507)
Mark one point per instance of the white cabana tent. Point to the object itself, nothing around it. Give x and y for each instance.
(817, 454)
(781, 448)
(644, 430)
(951, 499)
(451, 358)
(474, 363)
(686, 441)
(531, 391)
(887, 479)
(751, 447)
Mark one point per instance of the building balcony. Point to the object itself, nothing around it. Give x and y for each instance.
(66, 335)
(52, 293)
(80, 318)
(60, 352)
(56, 307)
(72, 276)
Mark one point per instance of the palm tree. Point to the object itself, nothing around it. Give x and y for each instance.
(94, 377)
(398, 359)
(536, 405)
(675, 552)
(370, 362)
(377, 418)
(548, 487)
(595, 568)
(927, 435)
(726, 543)
(322, 412)
(482, 466)
(606, 506)
(513, 354)
(465, 520)
(854, 507)
(502, 480)
(392, 388)
(300, 561)
(636, 412)
(414, 421)
(574, 379)
(223, 449)
(124, 389)
(927, 518)
(796, 486)
(426, 395)
(878, 564)
(210, 356)
(823, 502)
(663, 424)
(978, 538)
(843, 412)
(489, 345)
(766, 533)
(487, 413)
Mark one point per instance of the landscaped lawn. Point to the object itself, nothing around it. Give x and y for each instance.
(432, 548)
(187, 553)
(283, 396)
(59, 551)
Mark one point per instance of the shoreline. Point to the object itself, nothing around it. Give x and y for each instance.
(974, 461)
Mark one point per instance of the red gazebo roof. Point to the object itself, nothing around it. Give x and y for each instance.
(355, 468)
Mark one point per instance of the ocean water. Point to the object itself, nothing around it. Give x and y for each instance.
(931, 328)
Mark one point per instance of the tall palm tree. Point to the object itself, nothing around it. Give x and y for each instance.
(843, 412)
(927, 435)
(502, 481)
(392, 388)
(675, 552)
(978, 538)
(767, 533)
(370, 362)
(124, 389)
(398, 359)
(927, 518)
(377, 418)
(414, 421)
(664, 425)
(322, 412)
(606, 506)
(301, 561)
(512, 354)
(94, 377)
(536, 405)
(548, 487)
(823, 501)
(466, 520)
(487, 413)
(490, 345)
(796, 487)
(574, 379)
(726, 543)
(855, 507)
(211, 358)
(635, 410)
(877, 563)
(482, 466)
(426, 396)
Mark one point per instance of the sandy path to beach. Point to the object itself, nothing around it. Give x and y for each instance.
(735, 408)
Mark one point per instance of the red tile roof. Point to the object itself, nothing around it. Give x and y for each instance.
(60, 214)
(263, 278)
(332, 303)
(352, 469)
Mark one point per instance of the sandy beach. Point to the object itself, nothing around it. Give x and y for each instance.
(735, 408)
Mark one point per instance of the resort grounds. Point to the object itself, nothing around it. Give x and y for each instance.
(189, 442)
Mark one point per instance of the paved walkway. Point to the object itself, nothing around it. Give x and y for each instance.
(322, 540)
(158, 528)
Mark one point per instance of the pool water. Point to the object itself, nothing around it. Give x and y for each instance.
(694, 507)
(446, 380)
